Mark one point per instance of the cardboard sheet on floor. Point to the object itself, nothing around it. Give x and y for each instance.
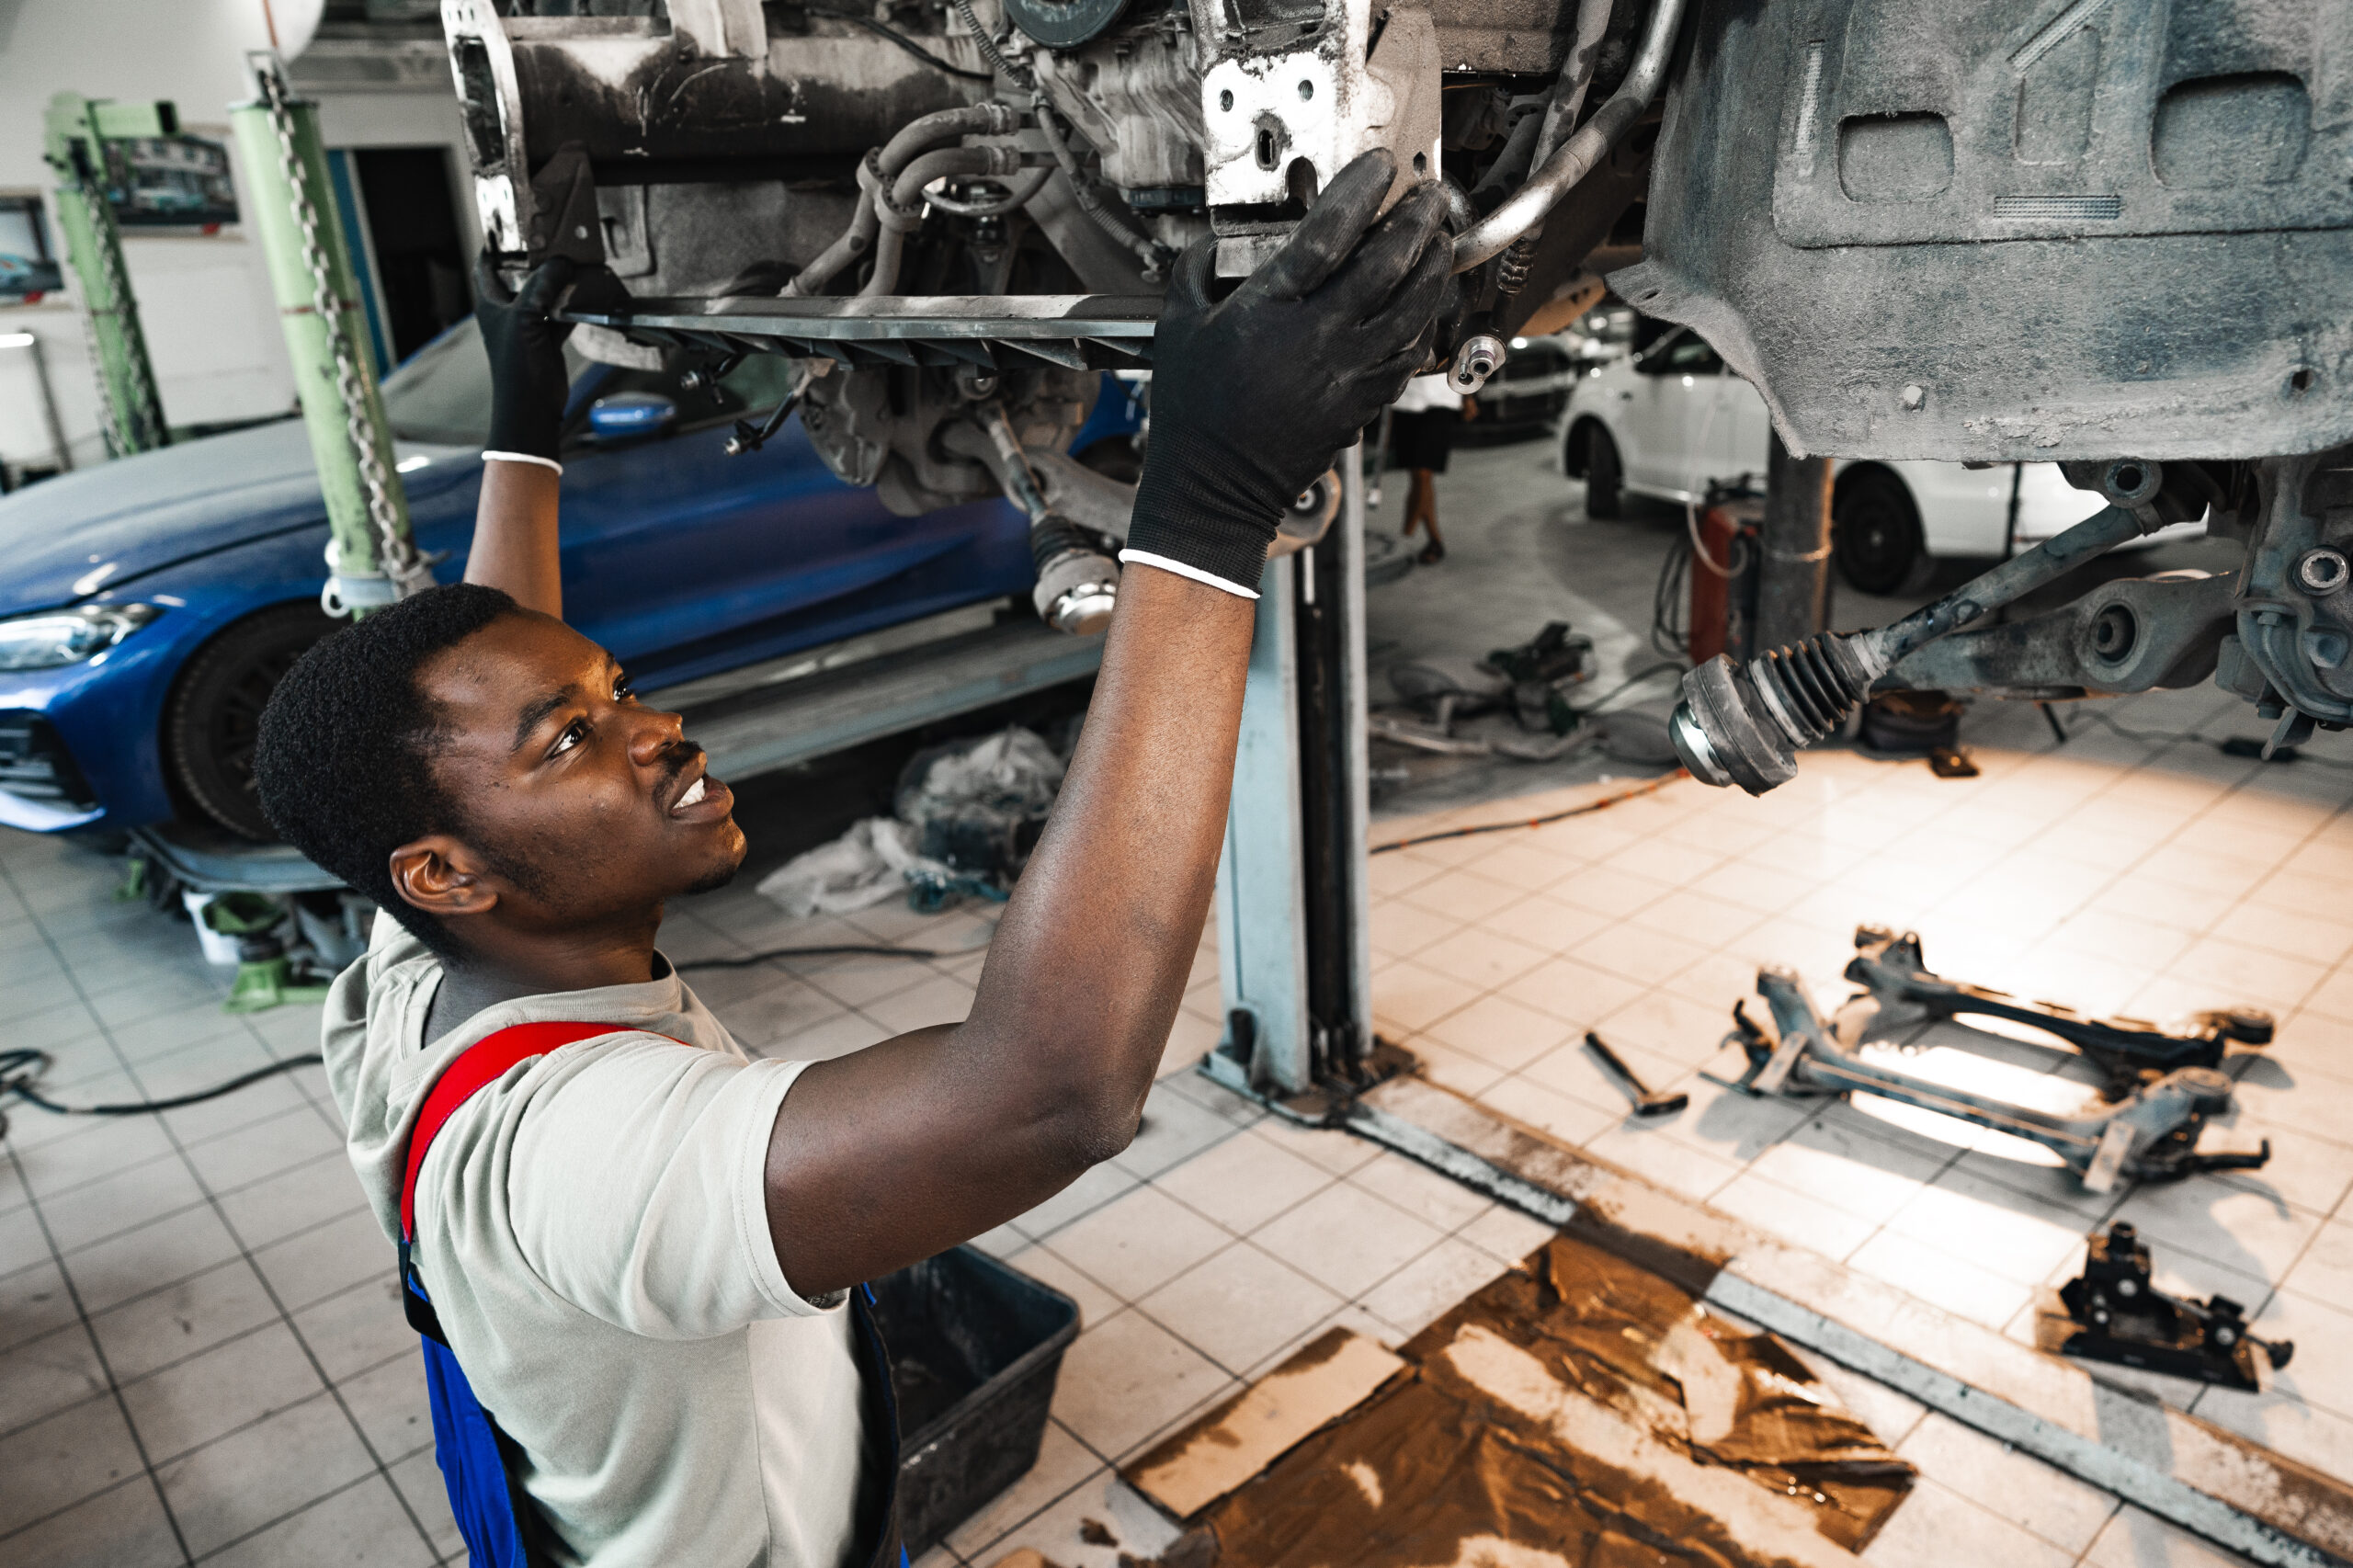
(1577, 1413)
(1247, 1433)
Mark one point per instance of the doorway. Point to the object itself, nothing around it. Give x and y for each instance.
(410, 210)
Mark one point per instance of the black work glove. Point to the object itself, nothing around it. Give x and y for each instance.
(527, 380)
(1253, 396)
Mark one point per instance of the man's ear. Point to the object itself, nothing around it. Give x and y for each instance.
(440, 876)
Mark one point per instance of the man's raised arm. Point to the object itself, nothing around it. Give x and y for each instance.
(900, 1151)
(514, 520)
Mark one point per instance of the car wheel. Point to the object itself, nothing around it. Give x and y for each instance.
(1604, 496)
(214, 712)
(1875, 534)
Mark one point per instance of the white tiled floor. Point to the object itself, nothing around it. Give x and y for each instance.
(202, 1357)
(2147, 876)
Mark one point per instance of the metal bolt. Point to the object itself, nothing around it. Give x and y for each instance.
(2128, 482)
(1913, 396)
(2323, 571)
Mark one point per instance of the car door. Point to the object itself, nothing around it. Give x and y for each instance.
(1650, 415)
(683, 559)
(1751, 426)
(1706, 434)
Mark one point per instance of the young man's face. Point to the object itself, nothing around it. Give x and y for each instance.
(585, 804)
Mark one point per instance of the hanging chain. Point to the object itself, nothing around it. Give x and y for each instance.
(125, 310)
(394, 554)
(108, 424)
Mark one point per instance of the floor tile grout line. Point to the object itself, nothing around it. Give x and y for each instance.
(133, 1478)
(327, 1497)
(114, 1388)
(318, 1368)
(268, 1289)
(1235, 1239)
(106, 1364)
(1102, 1464)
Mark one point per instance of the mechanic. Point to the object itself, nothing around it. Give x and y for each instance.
(638, 1245)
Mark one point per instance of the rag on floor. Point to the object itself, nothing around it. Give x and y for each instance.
(969, 812)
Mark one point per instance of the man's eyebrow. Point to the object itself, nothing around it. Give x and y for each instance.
(538, 711)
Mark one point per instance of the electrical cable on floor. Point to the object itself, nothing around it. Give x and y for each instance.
(1603, 804)
(848, 947)
(20, 1068)
(1662, 667)
(1671, 601)
(2169, 737)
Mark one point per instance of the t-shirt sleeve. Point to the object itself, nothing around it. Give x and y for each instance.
(635, 1184)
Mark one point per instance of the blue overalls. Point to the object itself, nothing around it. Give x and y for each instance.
(501, 1526)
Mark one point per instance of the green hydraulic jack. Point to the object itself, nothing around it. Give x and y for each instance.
(266, 976)
(371, 560)
(75, 131)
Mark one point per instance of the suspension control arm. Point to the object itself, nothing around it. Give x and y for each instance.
(1745, 726)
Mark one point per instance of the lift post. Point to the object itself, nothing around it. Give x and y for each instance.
(75, 131)
(373, 559)
(1793, 578)
(1295, 963)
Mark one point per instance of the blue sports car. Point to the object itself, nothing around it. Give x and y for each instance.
(148, 606)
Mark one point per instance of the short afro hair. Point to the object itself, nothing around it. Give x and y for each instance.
(344, 757)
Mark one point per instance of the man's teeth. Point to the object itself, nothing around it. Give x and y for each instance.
(692, 797)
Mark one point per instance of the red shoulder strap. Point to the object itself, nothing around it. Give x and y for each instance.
(484, 1061)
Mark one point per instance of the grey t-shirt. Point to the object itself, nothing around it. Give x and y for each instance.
(593, 1230)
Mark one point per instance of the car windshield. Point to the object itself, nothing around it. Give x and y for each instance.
(441, 393)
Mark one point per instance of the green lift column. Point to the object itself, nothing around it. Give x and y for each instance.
(74, 132)
(373, 559)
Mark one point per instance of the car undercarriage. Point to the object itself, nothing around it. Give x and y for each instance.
(2104, 235)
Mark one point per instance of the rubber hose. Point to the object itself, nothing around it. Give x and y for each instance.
(889, 245)
(915, 138)
(1053, 538)
(1021, 191)
(923, 134)
(855, 241)
(906, 191)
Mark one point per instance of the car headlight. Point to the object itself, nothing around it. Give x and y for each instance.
(56, 636)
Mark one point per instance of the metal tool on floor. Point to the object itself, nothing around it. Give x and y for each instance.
(2150, 1133)
(2113, 1313)
(2127, 1051)
(1647, 1101)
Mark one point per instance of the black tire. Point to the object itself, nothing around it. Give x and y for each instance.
(1875, 534)
(1604, 478)
(215, 712)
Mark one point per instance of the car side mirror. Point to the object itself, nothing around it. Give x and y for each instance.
(631, 416)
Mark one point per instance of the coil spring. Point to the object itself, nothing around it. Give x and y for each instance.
(1812, 685)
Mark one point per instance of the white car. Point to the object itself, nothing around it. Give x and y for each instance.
(1666, 421)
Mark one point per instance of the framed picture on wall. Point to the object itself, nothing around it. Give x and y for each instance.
(28, 266)
(170, 182)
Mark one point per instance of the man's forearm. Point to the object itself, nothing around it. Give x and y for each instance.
(514, 535)
(892, 1154)
(1090, 961)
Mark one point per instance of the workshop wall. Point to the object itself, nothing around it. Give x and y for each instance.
(204, 299)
